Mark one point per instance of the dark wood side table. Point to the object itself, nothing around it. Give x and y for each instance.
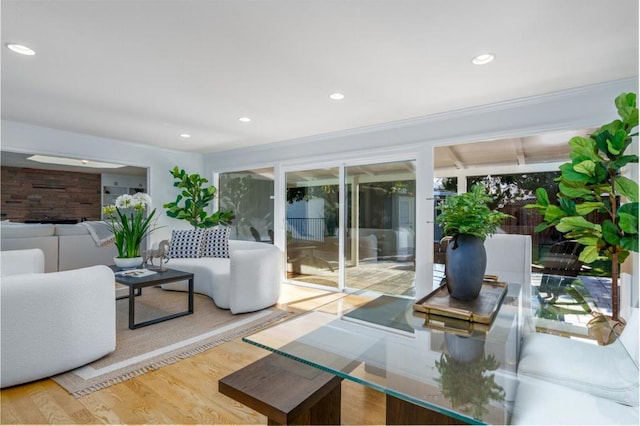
(137, 284)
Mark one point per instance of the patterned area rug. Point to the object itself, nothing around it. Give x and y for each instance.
(152, 347)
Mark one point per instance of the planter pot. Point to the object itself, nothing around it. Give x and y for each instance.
(128, 262)
(464, 349)
(465, 265)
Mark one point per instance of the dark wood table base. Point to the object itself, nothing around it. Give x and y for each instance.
(401, 412)
(286, 391)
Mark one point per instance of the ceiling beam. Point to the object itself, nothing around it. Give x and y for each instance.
(459, 164)
(520, 158)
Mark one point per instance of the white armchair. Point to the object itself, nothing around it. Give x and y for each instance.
(567, 381)
(52, 322)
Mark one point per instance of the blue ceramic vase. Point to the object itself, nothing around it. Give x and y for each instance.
(465, 265)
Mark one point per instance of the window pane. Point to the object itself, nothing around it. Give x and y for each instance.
(249, 194)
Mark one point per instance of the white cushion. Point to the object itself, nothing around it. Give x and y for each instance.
(603, 371)
(543, 403)
(71, 230)
(28, 230)
(211, 276)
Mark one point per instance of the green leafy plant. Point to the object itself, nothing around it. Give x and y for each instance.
(467, 385)
(592, 182)
(469, 213)
(130, 229)
(196, 196)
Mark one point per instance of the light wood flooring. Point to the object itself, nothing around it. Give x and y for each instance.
(182, 393)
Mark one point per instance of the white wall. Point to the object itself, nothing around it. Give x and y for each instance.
(25, 138)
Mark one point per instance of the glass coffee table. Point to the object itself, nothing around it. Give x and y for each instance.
(431, 370)
(136, 284)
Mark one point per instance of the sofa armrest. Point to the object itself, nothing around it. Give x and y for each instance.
(48, 245)
(15, 262)
(54, 322)
(255, 277)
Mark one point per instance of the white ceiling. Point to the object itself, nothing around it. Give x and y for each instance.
(145, 71)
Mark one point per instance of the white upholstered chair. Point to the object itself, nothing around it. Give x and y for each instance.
(566, 381)
(509, 257)
(52, 322)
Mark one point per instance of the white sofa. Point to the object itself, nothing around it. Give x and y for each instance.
(249, 280)
(566, 381)
(65, 247)
(52, 322)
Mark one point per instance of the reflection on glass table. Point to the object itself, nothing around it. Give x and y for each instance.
(564, 305)
(445, 366)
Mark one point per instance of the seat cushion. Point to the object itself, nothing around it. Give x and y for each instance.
(542, 403)
(604, 371)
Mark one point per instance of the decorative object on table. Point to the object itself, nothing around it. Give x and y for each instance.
(128, 262)
(130, 227)
(594, 181)
(481, 309)
(161, 253)
(196, 196)
(466, 222)
(463, 375)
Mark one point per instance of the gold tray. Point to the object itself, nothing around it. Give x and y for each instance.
(482, 309)
(454, 325)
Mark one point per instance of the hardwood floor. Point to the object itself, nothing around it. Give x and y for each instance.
(182, 393)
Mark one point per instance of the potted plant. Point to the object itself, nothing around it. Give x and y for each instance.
(593, 182)
(466, 222)
(196, 196)
(130, 227)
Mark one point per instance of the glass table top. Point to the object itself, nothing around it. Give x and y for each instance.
(457, 368)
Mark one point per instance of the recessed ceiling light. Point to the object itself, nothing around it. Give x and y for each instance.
(185, 135)
(19, 48)
(336, 96)
(73, 162)
(483, 59)
(244, 119)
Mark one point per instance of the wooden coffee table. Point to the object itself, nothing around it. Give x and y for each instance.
(137, 284)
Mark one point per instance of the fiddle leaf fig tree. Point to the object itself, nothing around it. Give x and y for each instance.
(196, 196)
(593, 182)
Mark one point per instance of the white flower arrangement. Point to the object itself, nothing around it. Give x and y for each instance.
(130, 230)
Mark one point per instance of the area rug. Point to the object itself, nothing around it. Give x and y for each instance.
(152, 347)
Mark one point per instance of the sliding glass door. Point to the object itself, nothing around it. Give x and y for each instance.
(375, 249)
(379, 248)
(312, 222)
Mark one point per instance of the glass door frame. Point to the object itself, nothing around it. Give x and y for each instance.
(280, 207)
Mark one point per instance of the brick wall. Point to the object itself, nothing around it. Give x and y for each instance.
(37, 194)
